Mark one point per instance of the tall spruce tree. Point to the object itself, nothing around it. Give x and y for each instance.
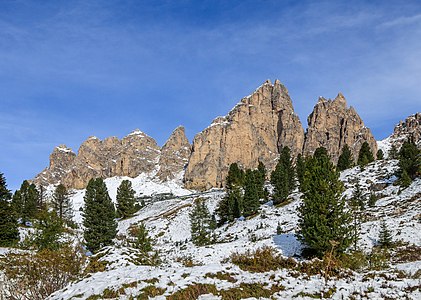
(201, 223)
(385, 236)
(126, 200)
(365, 156)
(60, 203)
(357, 205)
(409, 163)
(261, 178)
(251, 194)
(346, 159)
(300, 167)
(99, 216)
(393, 152)
(283, 177)
(380, 154)
(25, 201)
(231, 206)
(9, 233)
(324, 222)
(50, 231)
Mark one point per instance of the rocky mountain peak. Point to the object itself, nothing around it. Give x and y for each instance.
(175, 155)
(253, 130)
(332, 124)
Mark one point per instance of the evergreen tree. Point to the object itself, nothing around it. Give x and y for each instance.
(50, 231)
(283, 177)
(372, 200)
(261, 178)
(235, 176)
(385, 237)
(201, 223)
(380, 154)
(346, 160)
(251, 194)
(25, 201)
(41, 203)
(126, 200)
(357, 206)
(300, 168)
(324, 222)
(393, 152)
(142, 241)
(60, 203)
(409, 163)
(365, 156)
(9, 233)
(99, 216)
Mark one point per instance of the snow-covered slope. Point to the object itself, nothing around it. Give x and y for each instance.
(184, 264)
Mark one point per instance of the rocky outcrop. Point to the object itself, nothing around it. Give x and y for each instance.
(408, 129)
(254, 130)
(174, 155)
(61, 160)
(134, 154)
(332, 125)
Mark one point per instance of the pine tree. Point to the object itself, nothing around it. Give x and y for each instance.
(9, 233)
(60, 203)
(346, 160)
(380, 154)
(300, 168)
(365, 156)
(324, 222)
(409, 163)
(235, 176)
(261, 178)
(385, 237)
(25, 201)
(357, 206)
(99, 216)
(142, 241)
(393, 152)
(251, 194)
(126, 200)
(201, 223)
(372, 200)
(283, 177)
(50, 231)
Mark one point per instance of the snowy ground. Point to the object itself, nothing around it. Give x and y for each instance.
(168, 223)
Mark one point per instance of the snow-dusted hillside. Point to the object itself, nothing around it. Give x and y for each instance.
(184, 264)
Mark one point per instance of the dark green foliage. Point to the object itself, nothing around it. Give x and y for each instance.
(283, 177)
(9, 234)
(201, 223)
(50, 231)
(25, 201)
(231, 206)
(251, 194)
(409, 163)
(324, 223)
(346, 160)
(365, 156)
(260, 180)
(357, 205)
(126, 200)
(372, 200)
(61, 203)
(385, 237)
(142, 241)
(300, 168)
(235, 177)
(380, 154)
(393, 152)
(279, 229)
(99, 216)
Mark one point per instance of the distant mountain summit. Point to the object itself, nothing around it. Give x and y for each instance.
(255, 130)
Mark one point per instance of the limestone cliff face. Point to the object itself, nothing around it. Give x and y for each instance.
(175, 155)
(61, 159)
(408, 129)
(332, 125)
(254, 130)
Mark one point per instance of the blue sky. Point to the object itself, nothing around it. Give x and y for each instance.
(71, 69)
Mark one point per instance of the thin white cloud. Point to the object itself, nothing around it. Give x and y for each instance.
(402, 21)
